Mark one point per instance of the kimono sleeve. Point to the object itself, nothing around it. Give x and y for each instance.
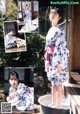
(22, 89)
(10, 90)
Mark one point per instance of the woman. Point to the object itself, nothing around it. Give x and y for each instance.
(56, 57)
(27, 15)
(20, 95)
(10, 40)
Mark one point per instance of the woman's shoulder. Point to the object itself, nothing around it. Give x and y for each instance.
(60, 28)
(57, 28)
(53, 30)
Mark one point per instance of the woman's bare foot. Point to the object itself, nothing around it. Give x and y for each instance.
(53, 105)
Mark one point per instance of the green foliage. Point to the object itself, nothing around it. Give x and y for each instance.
(11, 14)
(34, 56)
(35, 52)
(11, 10)
(2, 18)
(44, 19)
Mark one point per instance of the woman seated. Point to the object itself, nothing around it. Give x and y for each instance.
(20, 95)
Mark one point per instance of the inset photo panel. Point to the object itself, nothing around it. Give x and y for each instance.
(13, 41)
(28, 15)
(19, 88)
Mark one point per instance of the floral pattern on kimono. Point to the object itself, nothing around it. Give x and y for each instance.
(56, 38)
(25, 99)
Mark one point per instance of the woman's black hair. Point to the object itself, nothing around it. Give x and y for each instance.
(11, 30)
(58, 10)
(26, 4)
(13, 73)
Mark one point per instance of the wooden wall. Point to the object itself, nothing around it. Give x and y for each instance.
(75, 36)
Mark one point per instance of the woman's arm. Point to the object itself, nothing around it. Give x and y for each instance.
(12, 94)
(22, 89)
(31, 90)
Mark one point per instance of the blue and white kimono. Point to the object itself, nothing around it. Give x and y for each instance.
(56, 53)
(27, 15)
(9, 41)
(23, 99)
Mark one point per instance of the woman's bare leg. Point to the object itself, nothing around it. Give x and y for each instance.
(60, 94)
(54, 95)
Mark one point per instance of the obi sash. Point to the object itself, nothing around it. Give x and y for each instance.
(47, 54)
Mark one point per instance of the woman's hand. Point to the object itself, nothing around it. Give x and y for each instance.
(8, 98)
(17, 41)
(59, 68)
(13, 95)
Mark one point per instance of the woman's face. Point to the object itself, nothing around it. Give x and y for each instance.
(54, 16)
(11, 33)
(13, 82)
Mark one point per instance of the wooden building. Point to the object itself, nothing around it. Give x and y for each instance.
(72, 29)
(71, 26)
(75, 35)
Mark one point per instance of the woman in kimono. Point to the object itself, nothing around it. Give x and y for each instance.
(27, 15)
(56, 57)
(20, 95)
(10, 40)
